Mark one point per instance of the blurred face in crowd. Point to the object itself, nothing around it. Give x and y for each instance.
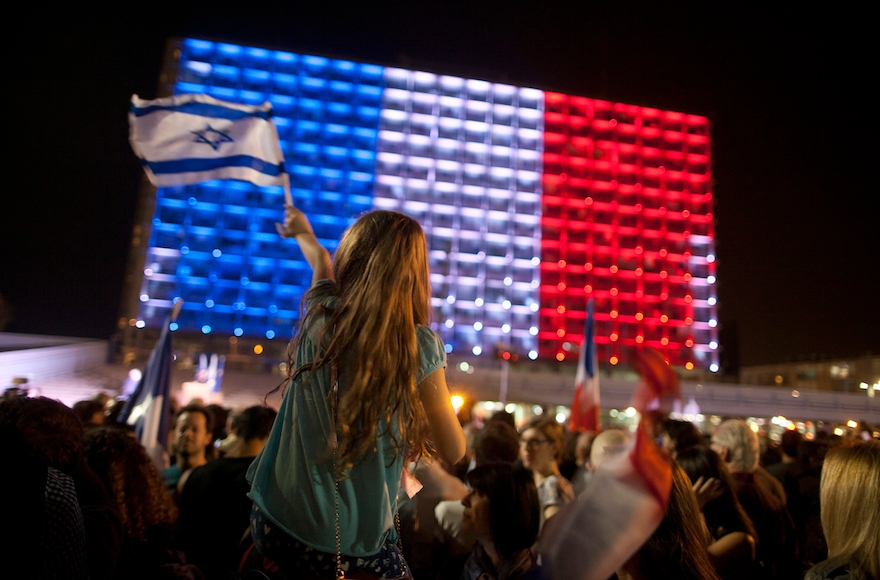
(475, 518)
(537, 450)
(191, 435)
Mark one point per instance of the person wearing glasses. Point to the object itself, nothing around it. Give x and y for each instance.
(540, 446)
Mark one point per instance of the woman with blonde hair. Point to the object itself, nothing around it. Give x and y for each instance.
(366, 390)
(849, 495)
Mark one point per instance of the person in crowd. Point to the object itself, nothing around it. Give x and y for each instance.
(49, 539)
(677, 435)
(540, 445)
(502, 512)
(148, 513)
(51, 433)
(802, 484)
(607, 444)
(582, 448)
(677, 549)
(218, 433)
(193, 437)
(496, 442)
(788, 446)
(732, 551)
(850, 496)
(777, 550)
(213, 502)
(90, 412)
(367, 390)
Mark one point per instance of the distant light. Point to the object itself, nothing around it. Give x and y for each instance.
(710, 279)
(478, 302)
(135, 375)
(457, 402)
(838, 431)
(533, 354)
(712, 301)
(448, 348)
(560, 356)
(560, 417)
(534, 307)
(238, 332)
(852, 424)
(710, 258)
(245, 280)
(140, 324)
(536, 261)
(689, 365)
(630, 412)
(144, 297)
(450, 299)
(206, 329)
(273, 309)
(184, 249)
(508, 281)
(533, 331)
(506, 304)
(258, 349)
(270, 334)
(505, 328)
(148, 272)
(713, 323)
(614, 360)
(754, 427)
(713, 345)
(449, 323)
(510, 408)
(216, 253)
(795, 393)
(477, 351)
(478, 325)
(209, 303)
(463, 367)
(173, 326)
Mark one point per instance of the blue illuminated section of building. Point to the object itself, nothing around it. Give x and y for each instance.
(214, 244)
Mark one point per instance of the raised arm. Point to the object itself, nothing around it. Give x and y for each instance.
(296, 225)
(446, 431)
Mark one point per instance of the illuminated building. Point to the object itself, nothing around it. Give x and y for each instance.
(531, 202)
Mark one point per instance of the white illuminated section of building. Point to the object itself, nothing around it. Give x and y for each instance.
(464, 158)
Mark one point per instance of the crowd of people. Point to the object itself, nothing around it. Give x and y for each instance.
(366, 470)
(93, 504)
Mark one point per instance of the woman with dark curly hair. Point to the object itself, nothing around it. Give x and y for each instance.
(148, 513)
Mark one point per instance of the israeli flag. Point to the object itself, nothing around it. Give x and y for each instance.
(189, 138)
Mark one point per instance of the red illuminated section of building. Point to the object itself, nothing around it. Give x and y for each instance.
(627, 220)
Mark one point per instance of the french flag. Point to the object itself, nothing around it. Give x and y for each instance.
(585, 406)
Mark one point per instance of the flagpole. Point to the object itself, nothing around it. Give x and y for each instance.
(175, 310)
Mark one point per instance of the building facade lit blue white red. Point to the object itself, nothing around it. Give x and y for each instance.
(531, 201)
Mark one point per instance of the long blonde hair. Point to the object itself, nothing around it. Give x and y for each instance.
(384, 291)
(849, 495)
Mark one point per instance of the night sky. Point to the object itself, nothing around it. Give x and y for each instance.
(794, 138)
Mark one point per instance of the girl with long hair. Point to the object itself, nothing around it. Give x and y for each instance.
(366, 391)
(732, 550)
(849, 494)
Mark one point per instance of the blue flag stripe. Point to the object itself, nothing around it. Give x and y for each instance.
(194, 165)
(202, 110)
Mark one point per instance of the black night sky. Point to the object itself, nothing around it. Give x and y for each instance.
(794, 137)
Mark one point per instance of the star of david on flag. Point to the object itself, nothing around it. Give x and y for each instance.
(193, 138)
